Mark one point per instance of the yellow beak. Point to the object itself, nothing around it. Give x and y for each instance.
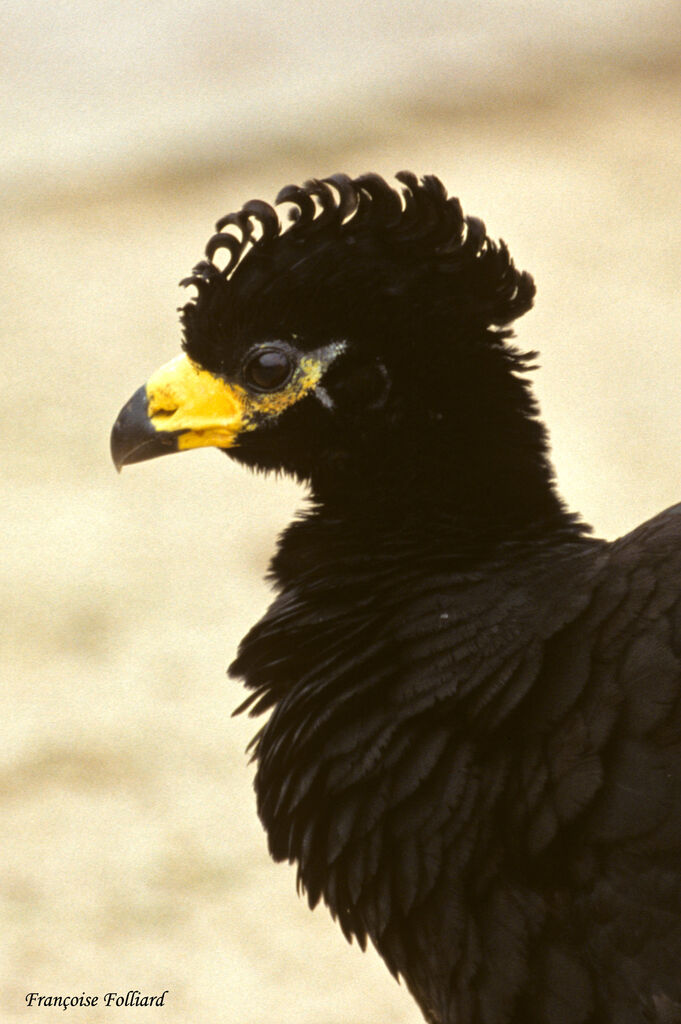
(181, 406)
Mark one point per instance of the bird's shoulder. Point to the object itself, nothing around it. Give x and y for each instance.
(633, 628)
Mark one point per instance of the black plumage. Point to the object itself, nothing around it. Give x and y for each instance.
(473, 746)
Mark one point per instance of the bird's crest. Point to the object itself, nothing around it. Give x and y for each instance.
(419, 219)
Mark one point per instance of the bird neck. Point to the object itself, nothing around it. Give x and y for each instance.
(492, 498)
(458, 440)
(367, 544)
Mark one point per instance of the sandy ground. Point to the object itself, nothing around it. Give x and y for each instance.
(132, 856)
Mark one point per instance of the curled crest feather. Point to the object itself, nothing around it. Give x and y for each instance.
(413, 239)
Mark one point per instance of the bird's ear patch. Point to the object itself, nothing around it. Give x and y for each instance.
(356, 383)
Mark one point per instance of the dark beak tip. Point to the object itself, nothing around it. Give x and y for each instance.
(134, 437)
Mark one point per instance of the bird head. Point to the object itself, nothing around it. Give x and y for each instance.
(365, 335)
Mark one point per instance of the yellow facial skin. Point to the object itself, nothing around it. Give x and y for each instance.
(183, 406)
(183, 397)
(204, 410)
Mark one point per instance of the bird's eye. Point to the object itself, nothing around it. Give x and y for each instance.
(268, 369)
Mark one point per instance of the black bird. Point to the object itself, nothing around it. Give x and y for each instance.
(473, 751)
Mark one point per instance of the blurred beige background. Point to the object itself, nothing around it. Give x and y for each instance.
(132, 857)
